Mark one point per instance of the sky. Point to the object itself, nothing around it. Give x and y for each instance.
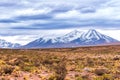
(22, 21)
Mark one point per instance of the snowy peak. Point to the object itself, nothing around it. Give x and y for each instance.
(72, 39)
(92, 34)
(69, 37)
(5, 44)
(62, 39)
(94, 37)
(73, 34)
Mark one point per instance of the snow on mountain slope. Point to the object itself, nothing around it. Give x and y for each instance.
(45, 41)
(96, 37)
(72, 39)
(91, 34)
(68, 37)
(5, 44)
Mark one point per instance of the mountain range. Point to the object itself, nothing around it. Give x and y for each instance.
(6, 44)
(73, 39)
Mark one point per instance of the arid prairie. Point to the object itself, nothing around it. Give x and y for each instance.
(83, 63)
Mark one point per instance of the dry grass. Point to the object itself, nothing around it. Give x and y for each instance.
(85, 63)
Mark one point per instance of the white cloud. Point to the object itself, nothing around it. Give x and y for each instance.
(32, 11)
(24, 39)
(68, 15)
(75, 12)
(108, 13)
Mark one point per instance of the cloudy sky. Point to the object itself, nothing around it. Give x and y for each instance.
(22, 21)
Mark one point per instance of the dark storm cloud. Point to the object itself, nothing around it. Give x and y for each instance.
(7, 21)
(75, 10)
(70, 24)
(34, 17)
(7, 4)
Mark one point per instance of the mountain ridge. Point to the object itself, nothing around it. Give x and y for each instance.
(73, 39)
(6, 44)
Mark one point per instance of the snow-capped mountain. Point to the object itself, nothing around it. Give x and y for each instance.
(72, 39)
(92, 37)
(5, 44)
(68, 37)
(54, 42)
